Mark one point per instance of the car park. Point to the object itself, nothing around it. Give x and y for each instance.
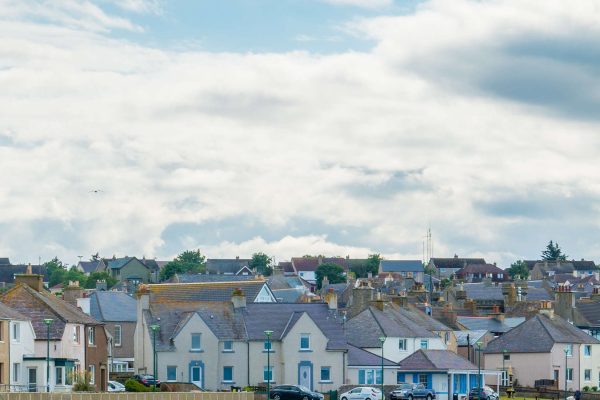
(362, 393)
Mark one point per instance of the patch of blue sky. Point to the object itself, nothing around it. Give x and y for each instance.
(256, 25)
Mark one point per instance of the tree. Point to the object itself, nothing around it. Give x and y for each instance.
(262, 263)
(91, 280)
(56, 271)
(190, 261)
(518, 269)
(333, 272)
(362, 269)
(553, 253)
(373, 263)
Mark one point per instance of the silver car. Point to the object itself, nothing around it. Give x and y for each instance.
(362, 393)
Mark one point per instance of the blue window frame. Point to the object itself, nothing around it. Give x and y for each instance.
(268, 346)
(228, 374)
(326, 374)
(171, 373)
(369, 376)
(268, 374)
(304, 341)
(400, 377)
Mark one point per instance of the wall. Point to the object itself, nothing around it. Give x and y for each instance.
(527, 367)
(4, 347)
(133, 269)
(66, 347)
(24, 346)
(97, 355)
(130, 396)
(126, 350)
(258, 361)
(392, 352)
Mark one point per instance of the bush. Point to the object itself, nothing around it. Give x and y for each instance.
(81, 382)
(134, 386)
(594, 388)
(586, 388)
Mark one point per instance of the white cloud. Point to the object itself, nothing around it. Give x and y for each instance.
(361, 3)
(380, 143)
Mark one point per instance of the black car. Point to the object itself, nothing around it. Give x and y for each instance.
(146, 380)
(294, 392)
(482, 394)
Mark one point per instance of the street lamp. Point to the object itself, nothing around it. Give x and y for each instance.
(48, 322)
(382, 339)
(154, 328)
(479, 344)
(566, 370)
(268, 334)
(504, 352)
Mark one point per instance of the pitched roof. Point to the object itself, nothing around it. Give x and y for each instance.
(8, 272)
(291, 295)
(590, 310)
(89, 266)
(204, 291)
(538, 335)
(38, 306)
(362, 358)
(198, 278)
(480, 269)
(113, 307)
(226, 265)
(4, 261)
(305, 263)
(455, 262)
(581, 265)
(483, 323)
(286, 266)
(118, 263)
(435, 360)
(481, 291)
(8, 313)
(473, 335)
(401, 266)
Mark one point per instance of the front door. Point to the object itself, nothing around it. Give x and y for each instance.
(32, 379)
(197, 376)
(305, 376)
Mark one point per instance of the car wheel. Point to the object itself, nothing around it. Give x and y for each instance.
(343, 398)
(410, 397)
(277, 397)
(428, 397)
(305, 398)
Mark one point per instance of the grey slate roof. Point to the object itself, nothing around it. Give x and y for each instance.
(483, 323)
(90, 266)
(401, 266)
(474, 336)
(204, 291)
(196, 278)
(4, 261)
(455, 262)
(364, 329)
(435, 360)
(8, 272)
(10, 314)
(225, 266)
(113, 307)
(291, 295)
(361, 358)
(481, 291)
(538, 335)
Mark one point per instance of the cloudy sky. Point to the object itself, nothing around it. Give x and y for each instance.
(340, 127)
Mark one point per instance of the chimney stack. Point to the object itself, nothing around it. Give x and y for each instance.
(72, 292)
(361, 297)
(34, 281)
(546, 308)
(238, 298)
(331, 299)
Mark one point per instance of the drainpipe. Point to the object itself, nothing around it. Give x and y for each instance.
(248, 360)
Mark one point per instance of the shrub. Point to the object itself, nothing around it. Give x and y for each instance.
(81, 382)
(586, 388)
(134, 386)
(594, 388)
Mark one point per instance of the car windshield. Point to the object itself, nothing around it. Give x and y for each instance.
(405, 386)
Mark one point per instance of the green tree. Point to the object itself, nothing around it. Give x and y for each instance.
(56, 271)
(190, 261)
(262, 263)
(74, 274)
(98, 276)
(553, 252)
(333, 272)
(373, 261)
(518, 269)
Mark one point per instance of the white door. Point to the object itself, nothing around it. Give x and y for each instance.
(197, 376)
(305, 376)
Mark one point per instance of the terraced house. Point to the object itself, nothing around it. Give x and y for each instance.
(235, 341)
(16, 344)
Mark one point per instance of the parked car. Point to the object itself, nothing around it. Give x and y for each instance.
(362, 393)
(486, 393)
(294, 392)
(410, 391)
(146, 380)
(114, 386)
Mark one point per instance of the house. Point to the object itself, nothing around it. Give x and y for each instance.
(87, 267)
(406, 268)
(199, 278)
(220, 343)
(117, 310)
(467, 342)
(130, 271)
(364, 367)
(16, 343)
(479, 272)
(306, 267)
(224, 266)
(78, 342)
(8, 272)
(547, 347)
(541, 269)
(257, 291)
(444, 371)
(446, 267)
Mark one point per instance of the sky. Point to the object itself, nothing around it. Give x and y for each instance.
(293, 127)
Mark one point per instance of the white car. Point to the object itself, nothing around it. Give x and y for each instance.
(363, 393)
(114, 386)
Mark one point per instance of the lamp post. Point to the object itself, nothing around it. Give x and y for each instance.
(382, 340)
(48, 322)
(154, 328)
(268, 334)
(566, 370)
(504, 352)
(479, 344)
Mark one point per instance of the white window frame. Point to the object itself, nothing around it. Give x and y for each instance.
(16, 372)
(585, 350)
(587, 375)
(171, 366)
(228, 349)
(272, 372)
(403, 345)
(424, 342)
(91, 334)
(118, 337)
(16, 332)
(569, 348)
(92, 373)
(192, 348)
(59, 372)
(569, 374)
(307, 337)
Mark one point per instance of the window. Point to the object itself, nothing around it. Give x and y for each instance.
(171, 373)
(423, 379)
(304, 341)
(60, 375)
(117, 336)
(506, 357)
(446, 337)
(268, 374)
(325, 374)
(569, 349)
(587, 350)
(68, 374)
(402, 345)
(92, 373)
(76, 334)
(196, 341)
(587, 375)
(16, 332)
(504, 378)
(227, 374)
(228, 345)
(424, 344)
(91, 331)
(400, 377)
(2, 373)
(268, 346)
(16, 371)
(569, 374)
(369, 376)
(1, 331)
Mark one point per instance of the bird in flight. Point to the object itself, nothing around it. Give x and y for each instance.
(95, 191)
